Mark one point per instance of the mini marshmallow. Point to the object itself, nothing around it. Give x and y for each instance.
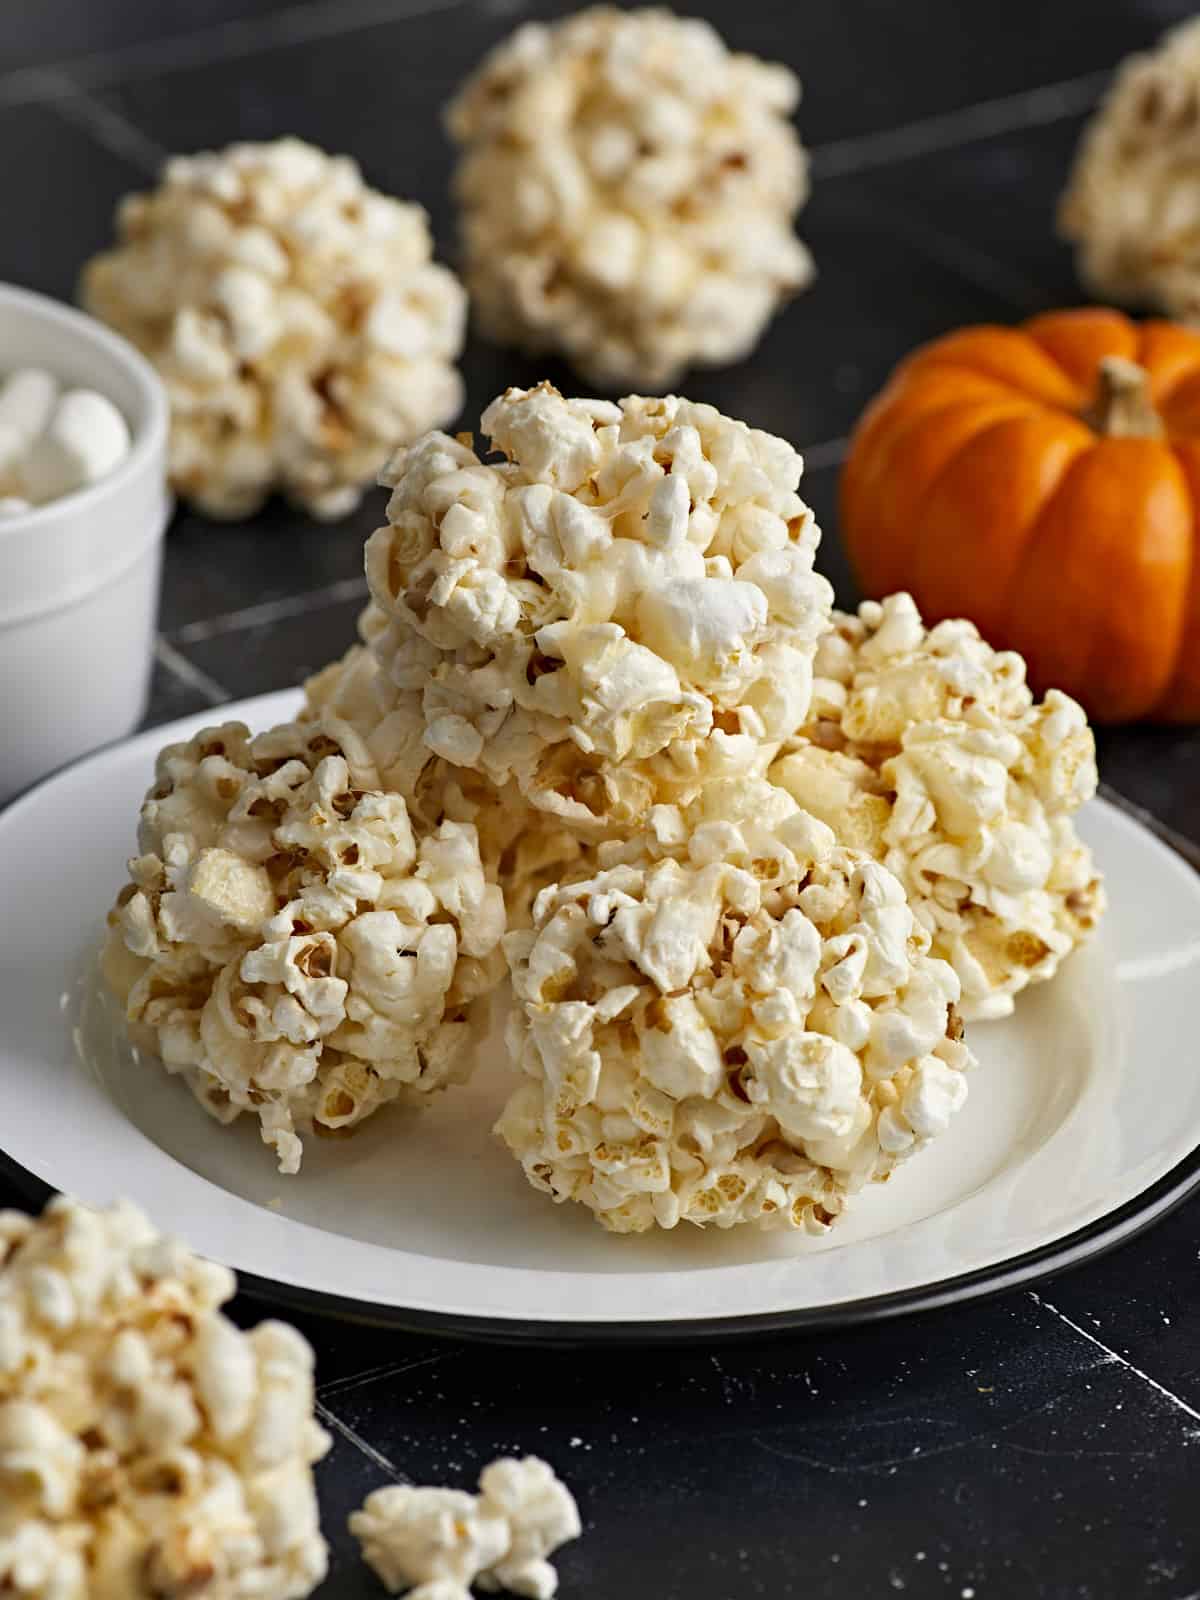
(26, 403)
(85, 439)
(11, 505)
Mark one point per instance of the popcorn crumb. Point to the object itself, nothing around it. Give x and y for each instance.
(621, 610)
(926, 749)
(289, 944)
(295, 316)
(147, 1445)
(627, 189)
(435, 1544)
(732, 1019)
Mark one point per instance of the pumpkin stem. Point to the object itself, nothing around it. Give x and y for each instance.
(1122, 408)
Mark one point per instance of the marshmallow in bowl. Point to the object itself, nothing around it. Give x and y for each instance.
(927, 749)
(53, 442)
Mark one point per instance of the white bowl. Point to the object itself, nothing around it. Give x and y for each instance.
(79, 576)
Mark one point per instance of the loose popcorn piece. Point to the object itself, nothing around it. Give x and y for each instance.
(733, 1019)
(620, 610)
(296, 316)
(1132, 206)
(926, 749)
(628, 188)
(289, 944)
(148, 1447)
(436, 1543)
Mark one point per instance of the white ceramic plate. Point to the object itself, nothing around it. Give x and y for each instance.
(1083, 1125)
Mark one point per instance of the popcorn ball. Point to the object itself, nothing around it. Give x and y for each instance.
(927, 750)
(289, 944)
(622, 609)
(148, 1447)
(435, 1543)
(296, 317)
(1132, 206)
(628, 188)
(733, 1019)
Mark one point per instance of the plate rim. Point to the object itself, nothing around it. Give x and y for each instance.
(1075, 1249)
(1083, 1244)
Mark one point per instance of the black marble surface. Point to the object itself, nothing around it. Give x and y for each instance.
(1044, 1444)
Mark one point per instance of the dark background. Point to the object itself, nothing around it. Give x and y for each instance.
(1045, 1444)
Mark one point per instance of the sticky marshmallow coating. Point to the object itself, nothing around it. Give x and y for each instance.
(733, 1019)
(622, 609)
(296, 316)
(148, 1447)
(522, 850)
(927, 749)
(289, 944)
(437, 1543)
(628, 189)
(1132, 206)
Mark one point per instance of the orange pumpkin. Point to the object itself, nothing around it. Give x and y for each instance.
(1044, 481)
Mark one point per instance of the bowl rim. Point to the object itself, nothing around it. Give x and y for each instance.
(149, 433)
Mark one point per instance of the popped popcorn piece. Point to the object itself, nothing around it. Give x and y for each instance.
(621, 610)
(288, 942)
(520, 848)
(927, 750)
(733, 1019)
(1131, 206)
(296, 317)
(444, 1540)
(148, 1447)
(541, 1515)
(84, 440)
(628, 188)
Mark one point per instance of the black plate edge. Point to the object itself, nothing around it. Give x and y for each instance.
(1085, 1244)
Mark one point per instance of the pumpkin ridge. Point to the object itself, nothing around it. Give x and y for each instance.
(988, 607)
(1099, 645)
(878, 464)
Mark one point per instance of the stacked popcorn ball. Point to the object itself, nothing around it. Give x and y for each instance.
(1132, 206)
(628, 188)
(296, 317)
(927, 750)
(621, 610)
(742, 911)
(288, 943)
(722, 1014)
(434, 1544)
(148, 1447)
